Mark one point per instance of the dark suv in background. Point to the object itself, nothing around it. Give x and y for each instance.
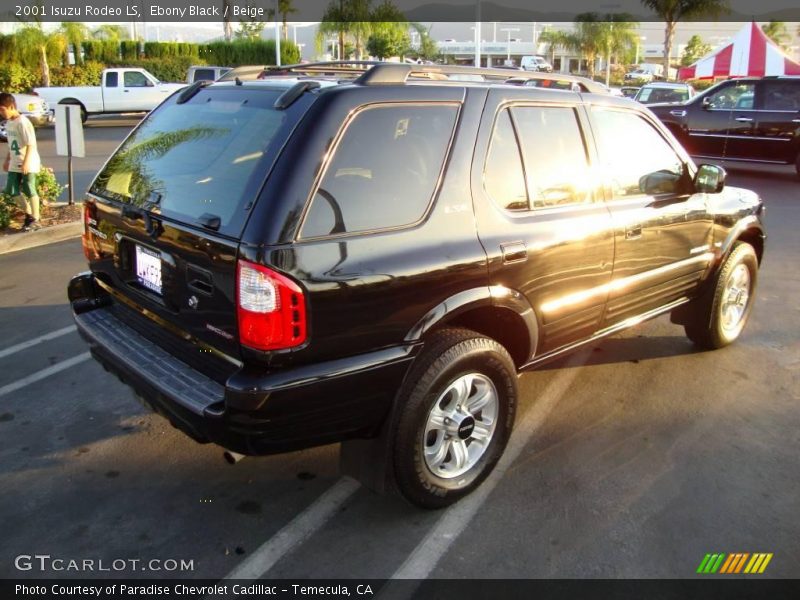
(749, 119)
(328, 253)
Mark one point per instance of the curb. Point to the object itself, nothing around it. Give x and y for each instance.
(47, 235)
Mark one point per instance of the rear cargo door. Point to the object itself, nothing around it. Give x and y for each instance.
(170, 206)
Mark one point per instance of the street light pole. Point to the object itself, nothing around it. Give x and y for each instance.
(508, 30)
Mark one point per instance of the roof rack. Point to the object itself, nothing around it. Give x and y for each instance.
(367, 72)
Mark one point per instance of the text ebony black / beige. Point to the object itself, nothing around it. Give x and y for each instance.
(282, 263)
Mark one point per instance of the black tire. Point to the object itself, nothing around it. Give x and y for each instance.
(712, 325)
(453, 356)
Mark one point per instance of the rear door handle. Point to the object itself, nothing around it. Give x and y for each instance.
(633, 232)
(514, 252)
(744, 119)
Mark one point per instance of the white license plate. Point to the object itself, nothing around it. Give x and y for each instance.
(148, 268)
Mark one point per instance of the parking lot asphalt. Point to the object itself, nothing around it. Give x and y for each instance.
(632, 458)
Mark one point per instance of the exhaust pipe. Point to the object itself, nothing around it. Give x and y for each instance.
(232, 457)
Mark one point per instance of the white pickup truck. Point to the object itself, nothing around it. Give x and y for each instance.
(121, 90)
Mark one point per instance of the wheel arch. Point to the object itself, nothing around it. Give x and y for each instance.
(497, 312)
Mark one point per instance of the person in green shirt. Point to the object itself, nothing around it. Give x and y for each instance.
(22, 161)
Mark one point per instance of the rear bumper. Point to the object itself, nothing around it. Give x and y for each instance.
(256, 411)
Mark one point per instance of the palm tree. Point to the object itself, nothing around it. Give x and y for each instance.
(617, 34)
(586, 39)
(285, 9)
(74, 33)
(672, 11)
(776, 31)
(346, 19)
(33, 45)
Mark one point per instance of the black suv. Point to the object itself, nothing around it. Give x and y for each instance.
(749, 119)
(307, 258)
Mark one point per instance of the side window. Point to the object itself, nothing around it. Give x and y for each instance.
(554, 155)
(384, 170)
(503, 176)
(738, 96)
(134, 79)
(782, 95)
(112, 79)
(635, 158)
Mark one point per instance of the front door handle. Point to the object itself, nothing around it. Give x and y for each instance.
(744, 119)
(514, 252)
(633, 232)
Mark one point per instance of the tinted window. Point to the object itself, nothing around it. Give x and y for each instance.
(503, 176)
(782, 95)
(554, 155)
(134, 79)
(204, 75)
(112, 79)
(384, 170)
(737, 96)
(652, 95)
(204, 156)
(634, 157)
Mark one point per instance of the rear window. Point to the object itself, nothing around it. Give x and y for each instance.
(208, 156)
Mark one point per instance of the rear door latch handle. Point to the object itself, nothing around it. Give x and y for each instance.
(514, 252)
(633, 232)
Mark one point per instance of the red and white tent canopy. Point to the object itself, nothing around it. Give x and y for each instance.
(750, 54)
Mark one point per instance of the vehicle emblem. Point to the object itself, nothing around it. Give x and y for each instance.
(193, 302)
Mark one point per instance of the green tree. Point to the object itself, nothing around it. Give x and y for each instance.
(249, 30)
(74, 33)
(695, 49)
(617, 34)
(672, 11)
(348, 20)
(428, 49)
(586, 39)
(388, 32)
(113, 33)
(777, 32)
(33, 46)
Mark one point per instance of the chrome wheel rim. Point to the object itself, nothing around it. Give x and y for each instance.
(460, 426)
(735, 298)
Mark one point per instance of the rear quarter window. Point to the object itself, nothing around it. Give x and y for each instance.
(384, 170)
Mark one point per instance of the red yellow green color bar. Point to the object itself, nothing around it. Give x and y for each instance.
(734, 563)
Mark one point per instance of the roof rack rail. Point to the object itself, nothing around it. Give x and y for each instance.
(189, 92)
(287, 98)
(366, 72)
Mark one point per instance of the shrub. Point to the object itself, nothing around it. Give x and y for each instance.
(101, 50)
(248, 52)
(88, 73)
(15, 78)
(7, 209)
(47, 185)
(129, 49)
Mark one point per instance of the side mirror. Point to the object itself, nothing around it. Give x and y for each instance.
(149, 83)
(706, 103)
(710, 179)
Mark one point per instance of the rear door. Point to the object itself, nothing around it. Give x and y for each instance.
(170, 206)
(545, 229)
(777, 137)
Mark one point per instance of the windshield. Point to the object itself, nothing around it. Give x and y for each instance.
(205, 158)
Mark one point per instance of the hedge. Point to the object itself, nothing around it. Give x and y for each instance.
(246, 52)
(88, 73)
(17, 79)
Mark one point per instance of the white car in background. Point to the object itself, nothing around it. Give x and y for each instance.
(32, 106)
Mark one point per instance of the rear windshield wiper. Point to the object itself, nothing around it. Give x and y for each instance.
(210, 221)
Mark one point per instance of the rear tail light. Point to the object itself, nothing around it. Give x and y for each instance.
(271, 308)
(88, 246)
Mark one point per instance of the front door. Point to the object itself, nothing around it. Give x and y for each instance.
(663, 230)
(546, 231)
(722, 123)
